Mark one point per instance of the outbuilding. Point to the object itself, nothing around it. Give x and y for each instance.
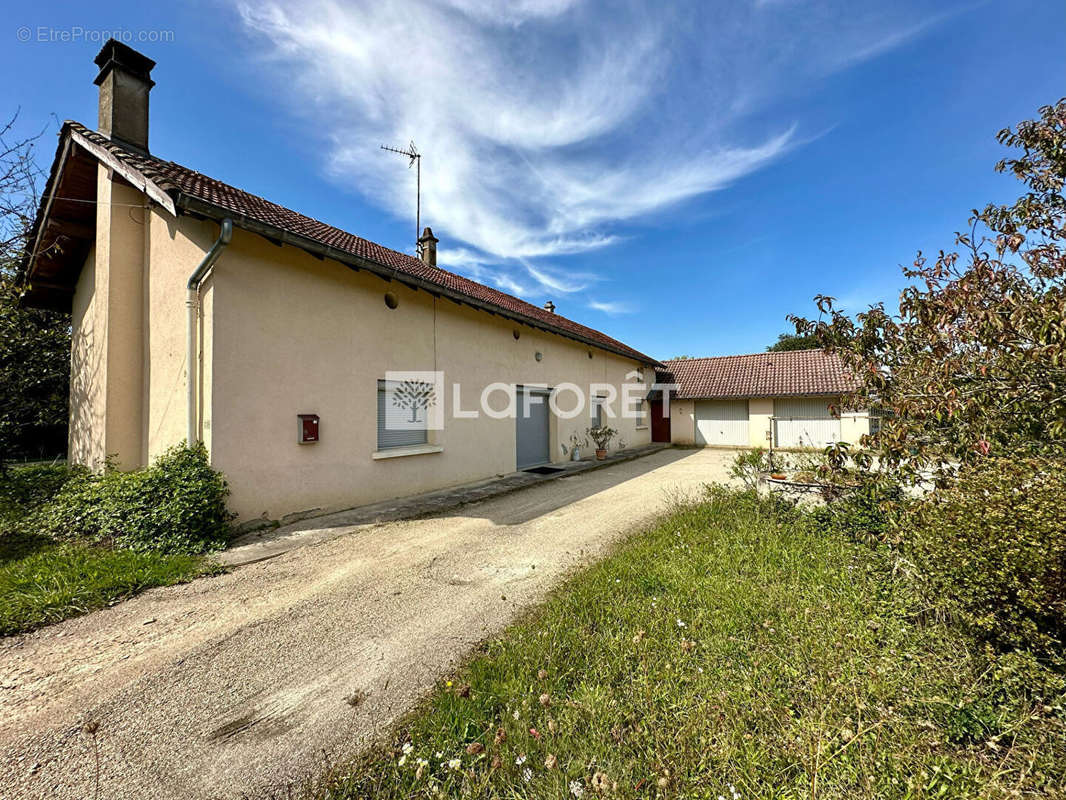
(788, 399)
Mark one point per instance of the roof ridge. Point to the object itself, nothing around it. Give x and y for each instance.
(745, 355)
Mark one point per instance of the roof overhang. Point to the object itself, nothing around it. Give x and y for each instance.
(63, 231)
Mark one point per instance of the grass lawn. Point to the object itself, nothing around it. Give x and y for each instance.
(731, 651)
(43, 581)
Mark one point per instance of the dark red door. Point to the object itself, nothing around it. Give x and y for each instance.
(660, 423)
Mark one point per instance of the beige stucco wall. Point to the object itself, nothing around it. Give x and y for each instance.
(128, 376)
(177, 245)
(682, 422)
(293, 334)
(107, 359)
(124, 238)
(88, 367)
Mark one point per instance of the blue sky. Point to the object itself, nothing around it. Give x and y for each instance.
(679, 175)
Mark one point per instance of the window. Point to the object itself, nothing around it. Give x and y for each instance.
(391, 417)
(642, 414)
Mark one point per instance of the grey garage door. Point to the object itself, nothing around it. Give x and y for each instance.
(722, 422)
(805, 422)
(531, 431)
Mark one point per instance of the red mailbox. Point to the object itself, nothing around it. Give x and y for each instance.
(308, 430)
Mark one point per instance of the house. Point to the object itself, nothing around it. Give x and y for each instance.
(203, 312)
(779, 399)
(321, 370)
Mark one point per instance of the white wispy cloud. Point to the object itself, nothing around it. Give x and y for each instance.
(556, 280)
(547, 125)
(611, 307)
(483, 269)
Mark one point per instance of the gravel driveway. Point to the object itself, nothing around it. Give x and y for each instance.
(241, 683)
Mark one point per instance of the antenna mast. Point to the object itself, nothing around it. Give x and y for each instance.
(416, 162)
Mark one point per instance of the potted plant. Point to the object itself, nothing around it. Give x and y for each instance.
(576, 443)
(602, 437)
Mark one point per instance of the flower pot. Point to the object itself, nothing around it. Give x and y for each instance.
(575, 454)
(601, 454)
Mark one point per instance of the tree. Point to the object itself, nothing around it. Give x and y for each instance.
(34, 344)
(973, 363)
(792, 341)
(971, 374)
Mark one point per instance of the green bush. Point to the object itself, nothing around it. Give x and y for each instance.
(993, 548)
(864, 513)
(176, 505)
(23, 488)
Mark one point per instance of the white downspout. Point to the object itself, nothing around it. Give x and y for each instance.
(192, 303)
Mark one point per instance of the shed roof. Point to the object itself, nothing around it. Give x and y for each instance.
(778, 374)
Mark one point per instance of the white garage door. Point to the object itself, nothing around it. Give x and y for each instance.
(722, 422)
(805, 422)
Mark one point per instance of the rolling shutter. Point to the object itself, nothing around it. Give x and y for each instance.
(722, 422)
(389, 415)
(805, 422)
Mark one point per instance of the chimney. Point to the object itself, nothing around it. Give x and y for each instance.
(427, 247)
(549, 307)
(124, 81)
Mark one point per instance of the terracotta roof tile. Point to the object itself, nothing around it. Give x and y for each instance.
(178, 180)
(790, 373)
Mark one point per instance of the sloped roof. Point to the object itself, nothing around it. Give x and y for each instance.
(784, 374)
(193, 192)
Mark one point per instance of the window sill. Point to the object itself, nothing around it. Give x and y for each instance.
(413, 450)
(642, 427)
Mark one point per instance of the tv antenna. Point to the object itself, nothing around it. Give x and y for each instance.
(416, 162)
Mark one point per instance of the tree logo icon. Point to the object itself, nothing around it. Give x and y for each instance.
(414, 396)
(413, 400)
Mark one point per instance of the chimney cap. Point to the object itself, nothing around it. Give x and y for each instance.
(116, 54)
(550, 307)
(427, 235)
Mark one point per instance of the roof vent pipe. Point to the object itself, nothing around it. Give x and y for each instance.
(549, 307)
(192, 309)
